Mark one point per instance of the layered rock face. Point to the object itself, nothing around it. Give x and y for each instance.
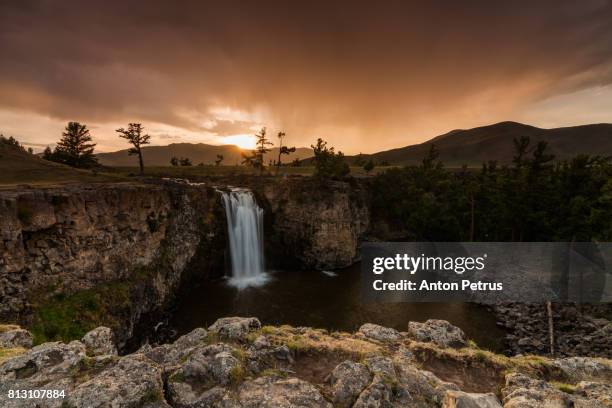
(73, 239)
(237, 363)
(316, 225)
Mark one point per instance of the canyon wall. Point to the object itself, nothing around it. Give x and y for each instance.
(105, 253)
(314, 225)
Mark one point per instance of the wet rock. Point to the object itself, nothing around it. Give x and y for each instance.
(460, 399)
(439, 332)
(380, 333)
(348, 380)
(99, 342)
(271, 392)
(14, 336)
(235, 328)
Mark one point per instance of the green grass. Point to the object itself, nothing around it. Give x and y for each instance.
(8, 327)
(566, 388)
(6, 353)
(237, 375)
(69, 317)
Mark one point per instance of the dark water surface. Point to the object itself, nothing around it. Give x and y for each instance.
(315, 299)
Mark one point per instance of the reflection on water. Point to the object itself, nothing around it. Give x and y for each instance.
(325, 300)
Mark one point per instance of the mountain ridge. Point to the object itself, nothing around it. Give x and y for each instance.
(494, 142)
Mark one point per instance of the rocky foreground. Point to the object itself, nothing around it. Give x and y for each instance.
(238, 363)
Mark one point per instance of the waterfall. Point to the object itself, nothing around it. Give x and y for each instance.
(245, 231)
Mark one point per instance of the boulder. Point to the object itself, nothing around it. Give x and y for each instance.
(380, 333)
(580, 368)
(135, 381)
(347, 381)
(235, 328)
(272, 392)
(99, 342)
(44, 363)
(440, 332)
(13, 336)
(172, 354)
(460, 399)
(522, 391)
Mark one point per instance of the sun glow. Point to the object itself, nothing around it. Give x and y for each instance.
(242, 141)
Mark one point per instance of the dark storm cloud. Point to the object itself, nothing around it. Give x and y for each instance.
(310, 67)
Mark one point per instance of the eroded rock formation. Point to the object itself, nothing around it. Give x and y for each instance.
(237, 363)
(118, 251)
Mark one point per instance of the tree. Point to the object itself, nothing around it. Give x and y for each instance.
(134, 135)
(430, 160)
(256, 158)
(185, 161)
(219, 160)
(282, 150)
(369, 166)
(328, 163)
(174, 161)
(74, 148)
(521, 148)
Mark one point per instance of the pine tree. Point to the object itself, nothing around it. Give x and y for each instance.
(74, 148)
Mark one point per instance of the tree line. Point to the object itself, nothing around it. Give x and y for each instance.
(532, 199)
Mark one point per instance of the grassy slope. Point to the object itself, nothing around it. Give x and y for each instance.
(156, 156)
(19, 167)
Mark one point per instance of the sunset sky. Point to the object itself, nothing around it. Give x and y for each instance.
(366, 76)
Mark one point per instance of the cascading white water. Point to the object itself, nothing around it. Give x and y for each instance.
(245, 230)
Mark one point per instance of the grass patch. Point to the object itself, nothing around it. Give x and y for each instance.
(566, 388)
(8, 327)
(69, 317)
(273, 372)
(237, 375)
(212, 338)
(178, 376)
(298, 344)
(239, 354)
(150, 397)
(24, 214)
(6, 353)
(268, 330)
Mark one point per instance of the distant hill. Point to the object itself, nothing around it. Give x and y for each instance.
(494, 142)
(196, 152)
(20, 167)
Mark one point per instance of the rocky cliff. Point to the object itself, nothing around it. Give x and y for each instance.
(315, 225)
(76, 256)
(237, 363)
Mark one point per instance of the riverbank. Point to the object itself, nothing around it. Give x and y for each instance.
(237, 363)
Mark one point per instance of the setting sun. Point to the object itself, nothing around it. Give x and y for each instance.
(242, 141)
